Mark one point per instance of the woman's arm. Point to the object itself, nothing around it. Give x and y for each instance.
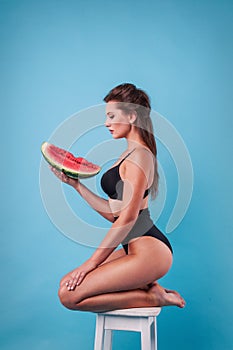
(138, 175)
(113, 238)
(99, 204)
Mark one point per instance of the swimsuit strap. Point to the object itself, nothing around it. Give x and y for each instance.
(122, 160)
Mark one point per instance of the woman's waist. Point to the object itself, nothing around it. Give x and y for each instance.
(117, 206)
(142, 225)
(143, 216)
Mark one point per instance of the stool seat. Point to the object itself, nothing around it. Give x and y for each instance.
(135, 319)
(137, 311)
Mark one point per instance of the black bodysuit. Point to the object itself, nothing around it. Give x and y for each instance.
(113, 186)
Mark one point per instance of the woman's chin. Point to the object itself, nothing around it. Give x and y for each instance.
(118, 136)
(115, 136)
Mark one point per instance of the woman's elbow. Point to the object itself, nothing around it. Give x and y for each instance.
(128, 217)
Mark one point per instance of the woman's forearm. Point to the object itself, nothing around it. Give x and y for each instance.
(99, 204)
(114, 237)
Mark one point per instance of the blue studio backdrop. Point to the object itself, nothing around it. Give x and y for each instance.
(61, 57)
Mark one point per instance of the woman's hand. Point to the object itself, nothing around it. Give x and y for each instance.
(76, 277)
(64, 178)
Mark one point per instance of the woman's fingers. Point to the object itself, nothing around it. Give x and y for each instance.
(61, 175)
(69, 285)
(56, 172)
(80, 279)
(76, 277)
(75, 281)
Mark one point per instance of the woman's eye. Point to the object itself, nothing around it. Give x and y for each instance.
(111, 116)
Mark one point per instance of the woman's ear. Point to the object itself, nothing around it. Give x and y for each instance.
(132, 117)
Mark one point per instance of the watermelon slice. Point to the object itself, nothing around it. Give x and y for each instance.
(67, 162)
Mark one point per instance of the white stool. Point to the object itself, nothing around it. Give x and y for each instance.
(138, 319)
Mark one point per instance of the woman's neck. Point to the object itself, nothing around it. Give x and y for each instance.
(135, 143)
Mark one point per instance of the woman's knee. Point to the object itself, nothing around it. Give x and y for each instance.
(64, 279)
(69, 299)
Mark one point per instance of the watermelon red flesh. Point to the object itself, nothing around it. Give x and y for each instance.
(67, 162)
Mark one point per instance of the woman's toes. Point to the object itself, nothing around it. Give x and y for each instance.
(166, 297)
(175, 299)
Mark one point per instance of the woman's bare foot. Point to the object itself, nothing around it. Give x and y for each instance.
(165, 297)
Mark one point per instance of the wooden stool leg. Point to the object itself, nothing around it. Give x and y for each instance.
(99, 332)
(108, 339)
(154, 334)
(146, 334)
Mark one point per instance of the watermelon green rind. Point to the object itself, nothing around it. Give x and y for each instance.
(49, 160)
(73, 173)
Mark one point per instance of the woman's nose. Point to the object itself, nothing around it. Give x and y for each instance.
(107, 123)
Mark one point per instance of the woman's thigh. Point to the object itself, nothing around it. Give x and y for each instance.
(114, 255)
(119, 253)
(148, 260)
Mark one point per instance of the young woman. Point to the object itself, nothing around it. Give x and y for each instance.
(124, 278)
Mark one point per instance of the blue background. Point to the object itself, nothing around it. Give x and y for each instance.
(58, 57)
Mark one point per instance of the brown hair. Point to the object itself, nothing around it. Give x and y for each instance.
(136, 100)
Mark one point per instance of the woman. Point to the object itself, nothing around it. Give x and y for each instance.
(124, 278)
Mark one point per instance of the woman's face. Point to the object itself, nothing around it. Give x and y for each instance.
(117, 122)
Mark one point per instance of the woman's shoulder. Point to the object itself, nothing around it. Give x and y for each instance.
(142, 153)
(141, 156)
(139, 163)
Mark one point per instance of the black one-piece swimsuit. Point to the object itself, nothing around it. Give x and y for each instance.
(112, 185)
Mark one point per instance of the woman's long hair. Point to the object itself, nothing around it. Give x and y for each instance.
(134, 100)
